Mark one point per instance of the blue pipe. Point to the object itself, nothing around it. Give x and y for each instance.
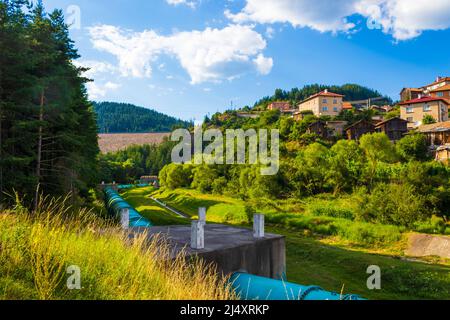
(115, 203)
(250, 287)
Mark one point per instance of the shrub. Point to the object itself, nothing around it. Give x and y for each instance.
(394, 204)
(413, 147)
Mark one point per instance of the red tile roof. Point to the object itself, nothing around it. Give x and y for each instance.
(424, 99)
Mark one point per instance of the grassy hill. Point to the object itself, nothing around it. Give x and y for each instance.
(333, 260)
(127, 118)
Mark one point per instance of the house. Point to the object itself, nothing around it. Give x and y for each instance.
(438, 134)
(347, 106)
(358, 129)
(441, 92)
(410, 94)
(319, 128)
(394, 128)
(443, 153)
(283, 106)
(378, 109)
(336, 128)
(324, 103)
(440, 82)
(415, 110)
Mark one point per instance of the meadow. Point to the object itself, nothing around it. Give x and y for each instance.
(332, 252)
(37, 250)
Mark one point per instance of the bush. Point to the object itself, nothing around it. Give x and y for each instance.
(394, 204)
(413, 147)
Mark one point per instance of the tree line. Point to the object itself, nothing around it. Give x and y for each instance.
(352, 92)
(127, 118)
(48, 131)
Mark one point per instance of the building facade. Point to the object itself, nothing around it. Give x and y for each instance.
(324, 103)
(394, 128)
(415, 110)
(283, 106)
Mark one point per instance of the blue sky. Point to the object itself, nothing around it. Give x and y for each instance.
(189, 58)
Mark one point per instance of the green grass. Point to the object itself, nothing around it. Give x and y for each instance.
(312, 262)
(36, 250)
(223, 209)
(140, 199)
(328, 251)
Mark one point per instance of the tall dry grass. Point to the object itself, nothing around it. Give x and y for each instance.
(37, 248)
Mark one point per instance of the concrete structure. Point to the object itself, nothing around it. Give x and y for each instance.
(324, 103)
(423, 245)
(198, 235)
(415, 110)
(231, 249)
(125, 218)
(258, 226)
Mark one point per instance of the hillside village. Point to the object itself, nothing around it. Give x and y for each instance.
(424, 110)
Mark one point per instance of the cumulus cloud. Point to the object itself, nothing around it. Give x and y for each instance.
(211, 55)
(98, 90)
(100, 72)
(404, 19)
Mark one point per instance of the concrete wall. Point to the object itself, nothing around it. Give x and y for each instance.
(264, 258)
(423, 245)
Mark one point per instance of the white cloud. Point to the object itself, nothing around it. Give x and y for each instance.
(404, 19)
(191, 4)
(95, 67)
(98, 90)
(100, 72)
(211, 55)
(263, 64)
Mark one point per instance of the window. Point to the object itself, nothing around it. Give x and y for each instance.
(335, 101)
(410, 119)
(325, 109)
(409, 110)
(335, 109)
(325, 101)
(440, 94)
(426, 108)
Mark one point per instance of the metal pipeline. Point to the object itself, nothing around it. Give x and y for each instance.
(250, 287)
(115, 204)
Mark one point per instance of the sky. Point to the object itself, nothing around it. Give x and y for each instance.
(191, 58)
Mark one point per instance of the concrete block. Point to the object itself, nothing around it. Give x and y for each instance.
(125, 219)
(258, 225)
(202, 215)
(197, 235)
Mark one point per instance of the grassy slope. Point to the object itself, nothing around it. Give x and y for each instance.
(139, 199)
(327, 261)
(36, 251)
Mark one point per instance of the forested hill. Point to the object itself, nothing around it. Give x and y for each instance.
(127, 118)
(352, 92)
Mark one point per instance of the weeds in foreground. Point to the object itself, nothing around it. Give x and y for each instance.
(37, 248)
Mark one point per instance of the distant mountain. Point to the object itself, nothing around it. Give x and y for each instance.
(115, 117)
